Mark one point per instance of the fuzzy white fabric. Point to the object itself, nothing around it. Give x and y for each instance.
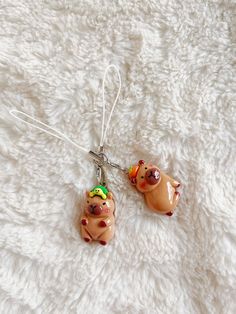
(177, 108)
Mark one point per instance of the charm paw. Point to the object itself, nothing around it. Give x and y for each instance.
(177, 194)
(103, 242)
(87, 239)
(84, 222)
(102, 224)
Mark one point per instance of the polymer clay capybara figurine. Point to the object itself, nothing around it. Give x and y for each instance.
(158, 188)
(97, 222)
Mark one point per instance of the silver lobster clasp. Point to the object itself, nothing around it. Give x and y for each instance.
(100, 159)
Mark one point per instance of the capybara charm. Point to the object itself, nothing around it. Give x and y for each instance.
(97, 222)
(160, 190)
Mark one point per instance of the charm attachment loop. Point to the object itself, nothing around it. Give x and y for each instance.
(101, 159)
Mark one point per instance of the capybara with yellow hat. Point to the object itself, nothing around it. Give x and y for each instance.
(97, 222)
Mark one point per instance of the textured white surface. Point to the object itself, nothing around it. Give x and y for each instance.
(177, 108)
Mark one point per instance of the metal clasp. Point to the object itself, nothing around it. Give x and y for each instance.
(101, 160)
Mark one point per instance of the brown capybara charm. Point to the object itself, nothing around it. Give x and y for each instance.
(158, 188)
(97, 222)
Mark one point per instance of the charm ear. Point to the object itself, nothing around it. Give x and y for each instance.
(133, 181)
(87, 193)
(109, 196)
(141, 162)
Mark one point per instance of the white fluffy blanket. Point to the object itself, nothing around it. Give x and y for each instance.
(177, 108)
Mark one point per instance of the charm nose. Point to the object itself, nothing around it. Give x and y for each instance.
(152, 176)
(95, 209)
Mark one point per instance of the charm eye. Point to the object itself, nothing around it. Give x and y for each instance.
(145, 168)
(87, 201)
(142, 177)
(104, 203)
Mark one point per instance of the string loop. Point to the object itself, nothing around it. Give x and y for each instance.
(104, 132)
(57, 134)
(99, 158)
